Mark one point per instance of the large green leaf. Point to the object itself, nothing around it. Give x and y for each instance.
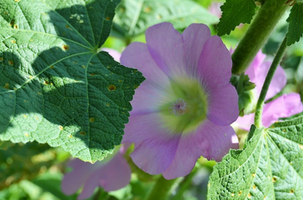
(269, 167)
(135, 16)
(56, 86)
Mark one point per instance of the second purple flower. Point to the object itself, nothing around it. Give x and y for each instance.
(186, 105)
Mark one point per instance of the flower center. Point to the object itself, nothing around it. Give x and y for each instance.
(186, 106)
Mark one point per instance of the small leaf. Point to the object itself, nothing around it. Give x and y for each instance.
(234, 13)
(135, 16)
(55, 85)
(269, 167)
(295, 20)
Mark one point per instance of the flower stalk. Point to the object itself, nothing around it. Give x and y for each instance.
(161, 189)
(270, 74)
(261, 27)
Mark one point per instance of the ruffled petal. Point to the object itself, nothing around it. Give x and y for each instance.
(136, 55)
(155, 147)
(284, 106)
(72, 181)
(256, 63)
(165, 45)
(209, 140)
(223, 105)
(89, 186)
(115, 174)
(277, 83)
(194, 38)
(214, 66)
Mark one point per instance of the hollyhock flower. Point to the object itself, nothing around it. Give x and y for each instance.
(186, 105)
(111, 174)
(284, 106)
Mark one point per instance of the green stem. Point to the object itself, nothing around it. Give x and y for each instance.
(270, 74)
(161, 189)
(257, 34)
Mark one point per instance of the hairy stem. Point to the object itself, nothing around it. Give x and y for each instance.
(257, 34)
(161, 189)
(270, 74)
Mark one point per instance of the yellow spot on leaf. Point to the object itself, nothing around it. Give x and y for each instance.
(1, 59)
(70, 136)
(15, 26)
(25, 116)
(36, 118)
(13, 41)
(249, 195)
(254, 187)
(240, 192)
(108, 104)
(107, 18)
(292, 191)
(82, 133)
(112, 88)
(159, 16)
(52, 67)
(25, 101)
(83, 66)
(65, 47)
(147, 9)
(26, 134)
(300, 145)
(60, 128)
(92, 119)
(232, 194)
(6, 86)
(253, 175)
(31, 40)
(274, 179)
(10, 62)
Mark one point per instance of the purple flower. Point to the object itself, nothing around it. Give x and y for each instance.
(284, 106)
(186, 105)
(112, 173)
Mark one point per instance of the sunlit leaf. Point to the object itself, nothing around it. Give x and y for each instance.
(269, 167)
(56, 86)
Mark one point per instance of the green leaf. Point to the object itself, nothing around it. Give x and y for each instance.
(295, 28)
(56, 87)
(234, 13)
(269, 167)
(135, 16)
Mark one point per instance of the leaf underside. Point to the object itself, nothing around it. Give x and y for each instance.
(55, 85)
(269, 167)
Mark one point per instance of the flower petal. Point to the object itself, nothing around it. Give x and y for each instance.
(214, 66)
(256, 63)
(155, 147)
(73, 180)
(209, 140)
(136, 55)
(194, 38)
(223, 105)
(284, 106)
(165, 45)
(277, 83)
(245, 122)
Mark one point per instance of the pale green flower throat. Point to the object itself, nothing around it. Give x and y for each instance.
(186, 107)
